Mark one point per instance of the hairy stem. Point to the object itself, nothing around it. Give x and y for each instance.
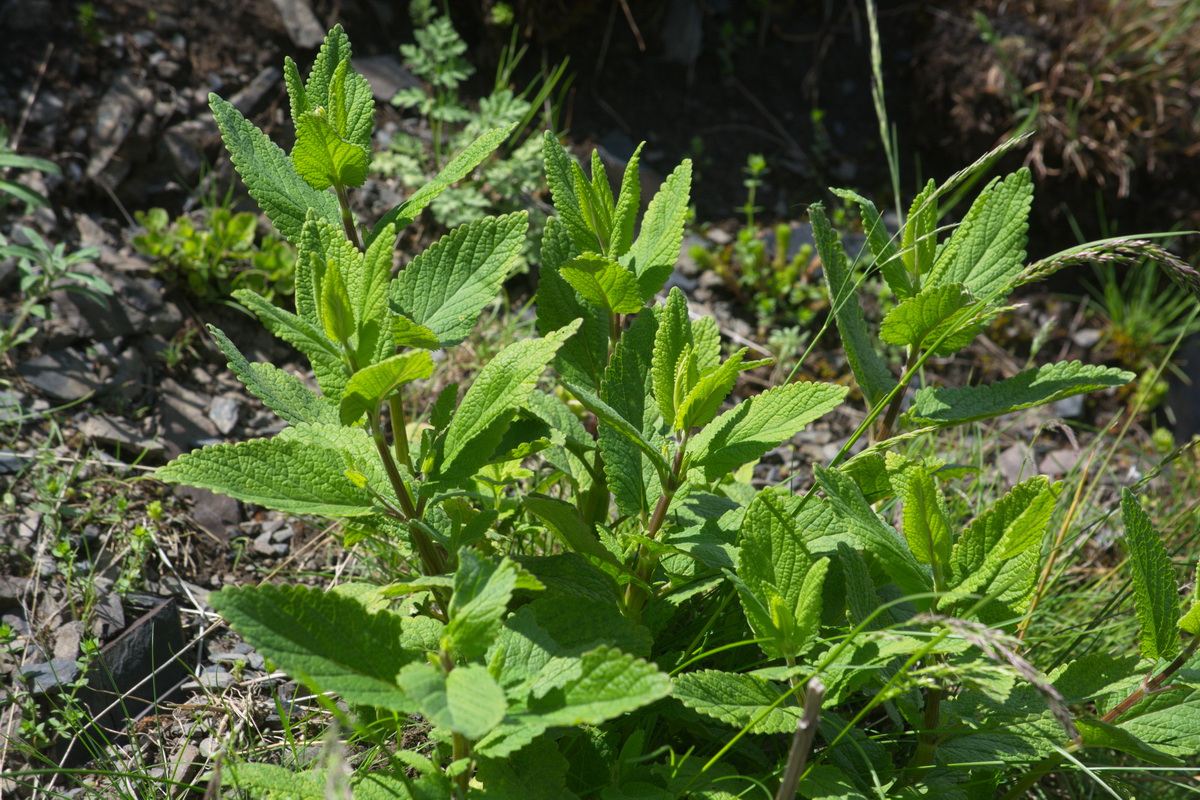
(635, 595)
(889, 419)
(400, 430)
(348, 223)
(802, 739)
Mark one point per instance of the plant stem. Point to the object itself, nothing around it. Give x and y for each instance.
(802, 739)
(400, 429)
(889, 419)
(347, 216)
(635, 595)
(927, 739)
(433, 561)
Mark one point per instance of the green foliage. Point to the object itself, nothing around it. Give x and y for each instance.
(221, 253)
(592, 553)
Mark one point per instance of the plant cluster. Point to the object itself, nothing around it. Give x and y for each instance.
(217, 256)
(594, 601)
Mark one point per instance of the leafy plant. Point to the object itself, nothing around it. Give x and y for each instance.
(9, 159)
(766, 276)
(43, 269)
(596, 600)
(220, 255)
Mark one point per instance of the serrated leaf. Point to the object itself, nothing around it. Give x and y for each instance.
(560, 176)
(707, 338)
(1190, 622)
(988, 250)
(738, 700)
(825, 782)
(446, 287)
(351, 106)
(537, 771)
(704, 400)
(673, 335)
(1096, 733)
(943, 318)
(297, 95)
(920, 234)
(286, 474)
(481, 594)
(872, 375)
(603, 282)
(592, 205)
(406, 333)
(628, 202)
(608, 415)
(1033, 387)
(269, 175)
(503, 385)
(1155, 592)
(925, 519)
(564, 521)
(861, 598)
(330, 370)
(272, 782)
(371, 386)
(871, 532)
(455, 170)
(653, 256)
(337, 312)
(584, 357)
(467, 700)
(335, 50)
(329, 641)
(887, 256)
(323, 158)
(369, 284)
(759, 423)
(610, 683)
(282, 392)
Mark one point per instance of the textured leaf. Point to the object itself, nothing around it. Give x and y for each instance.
(1169, 722)
(872, 374)
(652, 257)
(323, 158)
(324, 355)
(334, 51)
(371, 386)
(705, 398)
(537, 771)
(280, 391)
(269, 175)
(1155, 592)
(825, 782)
(579, 622)
(1033, 387)
(297, 95)
(329, 641)
(272, 782)
(943, 318)
(891, 265)
(673, 335)
(455, 170)
(406, 333)
(759, 423)
(707, 337)
(861, 598)
(871, 532)
(610, 683)
(286, 474)
(603, 282)
(446, 287)
(736, 700)
(1095, 733)
(467, 700)
(628, 203)
(499, 389)
(920, 234)
(564, 521)
(560, 176)
(351, 107)
(988, 250)
(369, 281)
(633, 465)
(610, 418)
(926, 521)
(481, 594)
(584, 357)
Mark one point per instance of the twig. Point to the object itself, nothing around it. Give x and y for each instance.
(33, 93)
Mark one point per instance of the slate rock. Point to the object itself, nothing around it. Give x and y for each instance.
(301, 23)
(184, 415)
(224, 412)
(118, 115)
(109, 617)
(68, 639)
(63, 375)
(50, 675)
(386, 75)
(13, 591)
(215, 513)
(119, 435)
(136, 306)
(249, 98)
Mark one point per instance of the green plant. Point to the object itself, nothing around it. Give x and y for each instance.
(43, 269)
(592, 614)
(221, 254)
(9, 159)
(765, 276)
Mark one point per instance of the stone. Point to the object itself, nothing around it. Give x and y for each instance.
(1060, 462)
(184, 418)
(1087, 338)
(50, 675)
(12, 462)
(1016, 464)
(63, 375)
(265, 546)
(212, 678)
(224, 412)
(117, 434)
(13, 591)
(386, 75)
(1068, 407)
(301, 23)
(67, 640)
(248, 99)
(189, 592)
(109, 617)
(136, 306)
(215, 513)
(182, 146)
(210, 746)
(119, 112)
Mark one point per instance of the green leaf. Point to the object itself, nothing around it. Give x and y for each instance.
(280, 391)
(329, 641)
(610, 418)
(326, 359)
(610, 683)
(560, 176)
(707, 337)
(446, 287)
(628, 202)
(481, 594)
(285, 473)
(759, 423)
(604, 283)
(272, 782)
(825, 782)
(269, 175)
(503, 385)
(334, 51)
(871, 532)
(861, 598)
(406, 333)
(988, 250)
(337, 312)
(738, 700)
(371, 386)
(673, 335)
(584, 357)
(1190, 622)
(944, 318)
(891, 265)
(872, 374)
(323, 158)
(564, 521)
(351, 108)
(297, 95)
(653, 256)
(1096, 733)
(1033, 387)
(454, 171)
(467, 700)
(1155, 592)
(920, 234)
(538, 772)
(926, 521)
(369, 281)
(704, 400)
